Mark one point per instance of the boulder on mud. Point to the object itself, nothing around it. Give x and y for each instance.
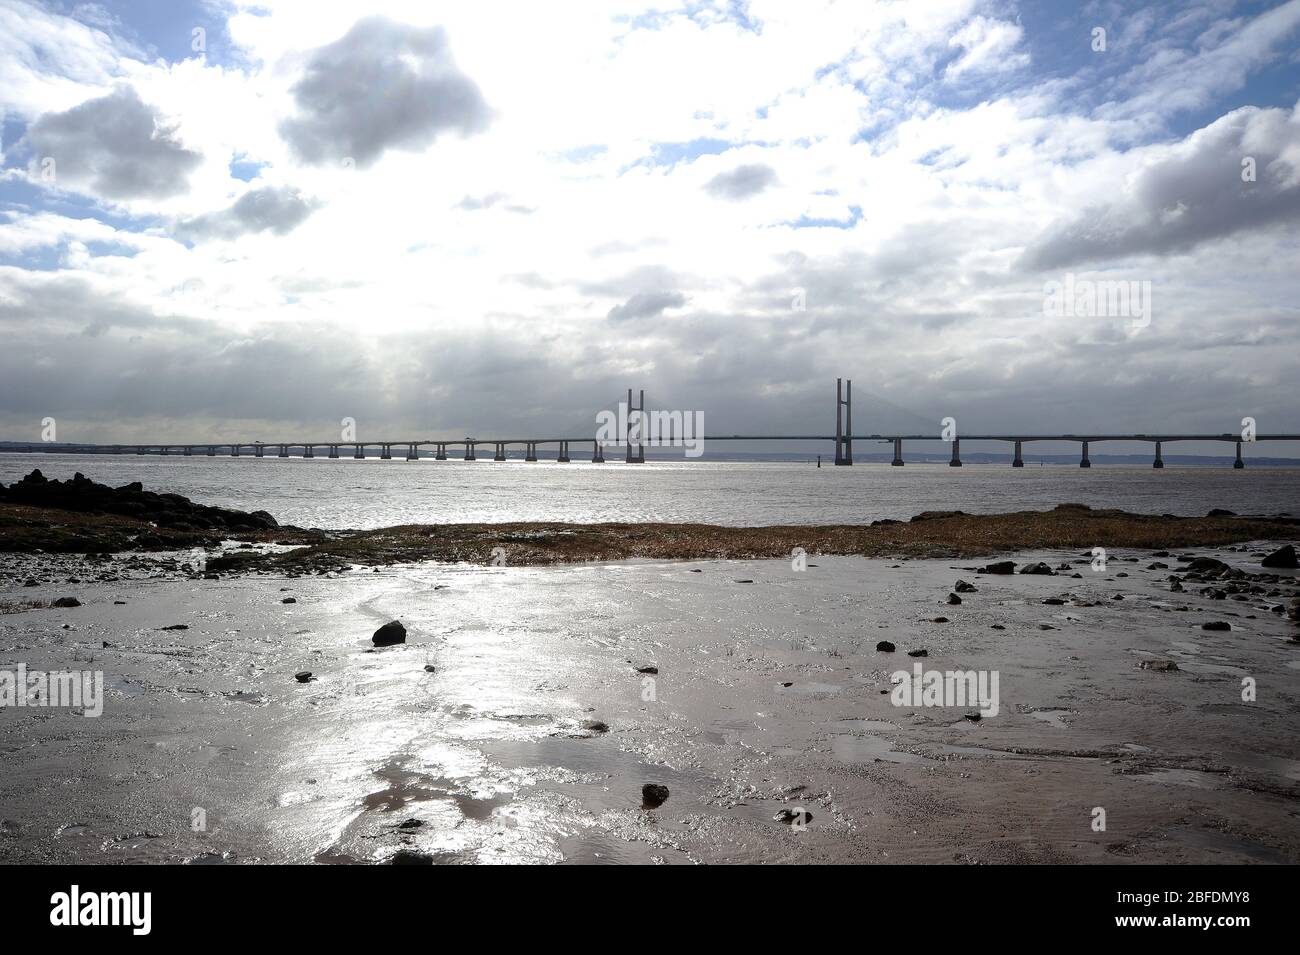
(1283, 557)
(389, 634)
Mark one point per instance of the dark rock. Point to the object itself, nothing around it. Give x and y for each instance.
(653, 795)
(884, 646)
(31, 582)
(303, 676)
(940, 620)
(1054, 602)
(131, 500)
(999, 567)
(1283, 557)
(66, 602)
(289, 600)
(937, 515)
(1220, 512)
(954, 600)
(430, 668)
(176, 626)
(964, 588)
(975, 717)
(1207, 563)
(410, 824)
(918, 653)
(1216, 625)
(595, 726)
(997, 626)
(389, 634)
(647, 669)
(1039, 568)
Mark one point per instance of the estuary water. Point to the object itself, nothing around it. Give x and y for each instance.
(346, 493)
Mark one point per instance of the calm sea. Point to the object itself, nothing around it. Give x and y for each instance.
(346, 493)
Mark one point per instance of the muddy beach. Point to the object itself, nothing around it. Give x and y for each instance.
(530, 706)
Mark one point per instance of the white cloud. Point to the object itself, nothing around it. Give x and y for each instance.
(424, 259)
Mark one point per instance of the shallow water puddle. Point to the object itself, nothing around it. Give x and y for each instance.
(868, 749)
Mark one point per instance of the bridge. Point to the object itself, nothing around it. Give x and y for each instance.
(634, 442)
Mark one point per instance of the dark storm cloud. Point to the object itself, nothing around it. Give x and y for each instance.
(116, 147)
(383, 85)
(144, 375)
(1196, 195)
(646, 305)
(741, 182)
(275, 209)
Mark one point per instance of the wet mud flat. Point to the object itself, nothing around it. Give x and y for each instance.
(531, 705)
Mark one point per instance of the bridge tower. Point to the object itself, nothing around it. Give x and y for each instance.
(639, 456)
(843, 422)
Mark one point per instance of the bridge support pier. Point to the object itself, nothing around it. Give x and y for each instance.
(469, 452)
(234, 450)
(257, 451)
(597, 453)
(1019, 460)
(284, 451)
(309, 451)
(189, 452)
(139, 450)
(212, 451)
(530, 452)
(441, 454)
(359, 451)
(1238, 464)
(1084, 462)
(412, 453)
(334, 451)
(386, 452)
(501, 452)
(563, 456)
(956, 453)
(898, 453)
(1159, 462)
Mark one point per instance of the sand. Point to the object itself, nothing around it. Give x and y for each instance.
(768, 697)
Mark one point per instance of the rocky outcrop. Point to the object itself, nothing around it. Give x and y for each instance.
(170, 511)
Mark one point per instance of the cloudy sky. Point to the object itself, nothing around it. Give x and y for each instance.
(226, 219)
